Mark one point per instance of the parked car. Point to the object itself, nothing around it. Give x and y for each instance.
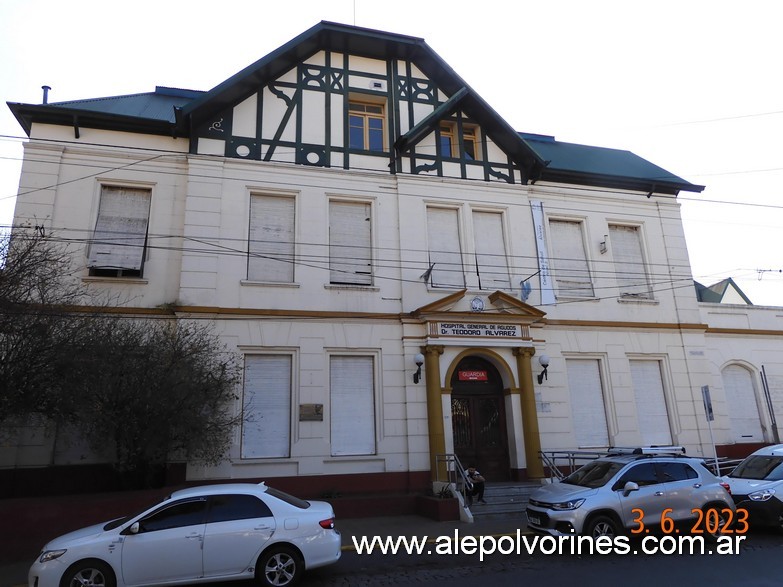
(627, 488)
(757, 486)
(197, 535)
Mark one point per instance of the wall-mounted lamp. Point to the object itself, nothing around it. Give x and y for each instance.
(544, 361)
(602, 244)
(419, 358)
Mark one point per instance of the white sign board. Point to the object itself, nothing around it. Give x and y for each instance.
(547, 289)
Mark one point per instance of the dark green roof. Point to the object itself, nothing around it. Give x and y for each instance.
(174, 112)
(716, 292)
(153, 112)
(602, 166)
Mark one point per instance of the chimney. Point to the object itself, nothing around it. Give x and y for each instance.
(46, 94)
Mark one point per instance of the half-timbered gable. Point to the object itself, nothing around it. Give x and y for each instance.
(343, 97)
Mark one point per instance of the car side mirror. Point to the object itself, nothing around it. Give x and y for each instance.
(134, 528)
(629, 487)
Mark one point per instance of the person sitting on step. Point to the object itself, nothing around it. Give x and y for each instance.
(475, 485)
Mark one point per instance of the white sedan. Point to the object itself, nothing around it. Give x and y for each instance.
(197, 535)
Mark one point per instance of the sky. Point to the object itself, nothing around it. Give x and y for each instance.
(694, 86)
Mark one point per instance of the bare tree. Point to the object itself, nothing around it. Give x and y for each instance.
(148, 390)
(36, 288)
(155, 391)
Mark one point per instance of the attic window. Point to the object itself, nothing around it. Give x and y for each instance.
(449, 146)
(365, 126)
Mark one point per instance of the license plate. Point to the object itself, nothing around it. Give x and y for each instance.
(534, 520)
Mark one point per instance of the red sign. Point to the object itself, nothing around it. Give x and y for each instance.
(472, 375)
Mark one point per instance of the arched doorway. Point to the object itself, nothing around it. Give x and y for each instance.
(478, 417)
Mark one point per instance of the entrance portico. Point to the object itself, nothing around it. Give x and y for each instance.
(480, 395)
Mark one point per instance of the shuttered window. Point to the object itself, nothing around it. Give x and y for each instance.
(445, 254)
(266, 426)
(350, 243)
(742, 406)
(632, 279)
(652, 415)
(572, 275)
(271, 239)
(491, 258)
(587, 403)
(120, 234)
(352, 389)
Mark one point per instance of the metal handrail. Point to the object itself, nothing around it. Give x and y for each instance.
(555, 460)
(574, 459)
(454, 472)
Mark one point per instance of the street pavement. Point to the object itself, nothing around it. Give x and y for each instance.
(14, 573)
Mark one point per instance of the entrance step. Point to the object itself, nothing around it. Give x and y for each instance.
(504, 500)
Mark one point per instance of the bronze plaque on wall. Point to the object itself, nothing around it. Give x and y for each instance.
(311, 412)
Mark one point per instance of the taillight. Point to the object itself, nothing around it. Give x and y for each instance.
(726, 486)
(327, 524)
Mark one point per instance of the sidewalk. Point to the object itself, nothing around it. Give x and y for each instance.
(14, 574)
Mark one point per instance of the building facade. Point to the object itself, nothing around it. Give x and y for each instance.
(348, 207)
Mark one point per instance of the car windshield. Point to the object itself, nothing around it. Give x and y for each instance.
(595, 474)
(289, 499)
(120, 521)
(769, 468)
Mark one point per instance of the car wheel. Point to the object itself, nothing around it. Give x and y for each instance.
(709, 521)
(601, 526)
(88, 573)
(279, 567)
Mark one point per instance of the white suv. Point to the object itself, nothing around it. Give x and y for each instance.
(619, 492)
(757, 486)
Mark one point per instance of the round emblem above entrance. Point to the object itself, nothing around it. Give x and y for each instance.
(477, 304)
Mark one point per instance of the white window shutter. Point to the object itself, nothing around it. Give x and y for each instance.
(491, 250)
(271, 239)
(351, 384)
(651, 412)
(350, 243)
(445, 248)
(266, 426)
(742, 406)
(572, 274)
(121, 229)
(629, 265)
(587, 403)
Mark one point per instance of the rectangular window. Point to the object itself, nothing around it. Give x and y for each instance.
(350, 243)
(588, 410)
(365, 126)
(120, 238)
(470, 142)
(450, 146)
(271, 239)
(352, 389)
(491, 259)
(569, 259)
(266, 426)
(445, 254)
(630, 268)
(651, 412)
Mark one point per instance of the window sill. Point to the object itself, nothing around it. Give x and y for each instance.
(107, 279)
(346, 286)
(250, 283)
(635, 300)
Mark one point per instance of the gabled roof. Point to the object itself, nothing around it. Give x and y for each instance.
(175, 112)
(716, 292)
(602, 166)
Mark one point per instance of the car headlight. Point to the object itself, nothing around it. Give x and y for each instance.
(50, 555)
(568, 505)
(762, 495)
